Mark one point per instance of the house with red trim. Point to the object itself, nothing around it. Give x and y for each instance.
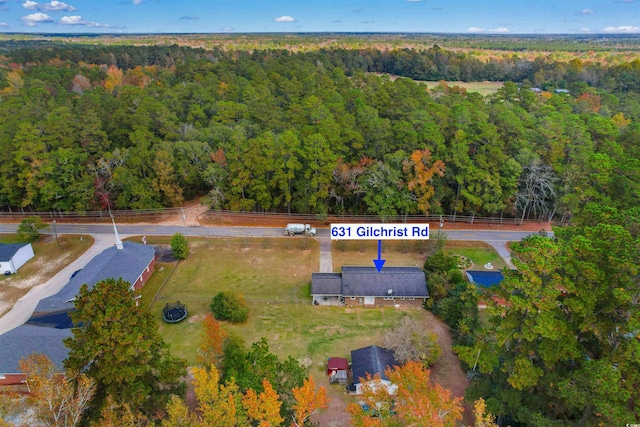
(50, 323)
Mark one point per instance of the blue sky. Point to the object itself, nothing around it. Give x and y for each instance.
(215, 16)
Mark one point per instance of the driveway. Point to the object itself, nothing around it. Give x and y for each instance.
(23, 308)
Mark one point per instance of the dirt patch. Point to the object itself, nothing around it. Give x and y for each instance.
(447, 370)
(196, 319)
(164, 253)
(336, 414)
(192, 213)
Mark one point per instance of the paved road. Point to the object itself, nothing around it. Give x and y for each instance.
(206, 231)
(103, 234)
(497, 239)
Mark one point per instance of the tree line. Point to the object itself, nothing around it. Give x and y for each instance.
(313, 132)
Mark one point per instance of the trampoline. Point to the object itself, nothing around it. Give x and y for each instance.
(174, 312)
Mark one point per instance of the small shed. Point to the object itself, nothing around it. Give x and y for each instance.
(14, 256)
(337, 370)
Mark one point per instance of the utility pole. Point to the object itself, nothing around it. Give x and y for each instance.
(184, 222)
(55, 231)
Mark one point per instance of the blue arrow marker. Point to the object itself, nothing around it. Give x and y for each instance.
(379, 262)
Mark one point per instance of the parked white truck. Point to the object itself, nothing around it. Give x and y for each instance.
(293, 229)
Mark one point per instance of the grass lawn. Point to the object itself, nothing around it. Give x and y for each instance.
(478, 252)
(363, 252)
(274, 277)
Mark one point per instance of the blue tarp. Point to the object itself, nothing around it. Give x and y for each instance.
(484, 278)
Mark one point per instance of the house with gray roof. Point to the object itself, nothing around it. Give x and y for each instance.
(25, 340)
(133, 263)
(50, 323)
(370, 361)
(366, 287)
(13, 256)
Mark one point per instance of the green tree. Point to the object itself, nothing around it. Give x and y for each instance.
(230, 306)
(118, 345)
(563, 345)
(31, 227)
(179, 246)
(259, 364)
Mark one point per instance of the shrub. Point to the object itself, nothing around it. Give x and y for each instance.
(179, 246)
(230, 307)
(410, 341)
(30, 227)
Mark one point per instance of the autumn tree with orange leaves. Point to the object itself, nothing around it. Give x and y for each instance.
(212, 342)
(417, 401)
(263, 407)
(56, 398)
(309, 400)
(420, 171)
(225, 405)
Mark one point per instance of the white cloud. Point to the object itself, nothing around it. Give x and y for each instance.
(227, 29)
(499, 30)
(77, 20)
(71, 20)
(53, 6)
(585, 30)
(285, 18)
(587, 12)
(622, 29)
(36, 18)
(3, 24)
(475, 30)
(137, 1)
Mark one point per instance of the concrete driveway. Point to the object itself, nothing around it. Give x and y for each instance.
(23, 308)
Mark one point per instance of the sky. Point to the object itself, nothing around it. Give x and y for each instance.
(247, 16)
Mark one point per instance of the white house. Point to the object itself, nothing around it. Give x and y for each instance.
(13, 256)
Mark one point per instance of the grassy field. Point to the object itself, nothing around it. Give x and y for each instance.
(274, 277)
(362, 252)
(483, 88)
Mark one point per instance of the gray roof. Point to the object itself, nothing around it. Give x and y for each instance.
(366, 281)
(127, 263)
(8, 250)
(26, 339)
(326, 283)
(372, 360)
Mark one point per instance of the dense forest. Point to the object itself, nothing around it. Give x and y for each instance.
(326, 131)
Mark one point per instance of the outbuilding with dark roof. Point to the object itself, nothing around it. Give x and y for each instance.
(370, 361)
